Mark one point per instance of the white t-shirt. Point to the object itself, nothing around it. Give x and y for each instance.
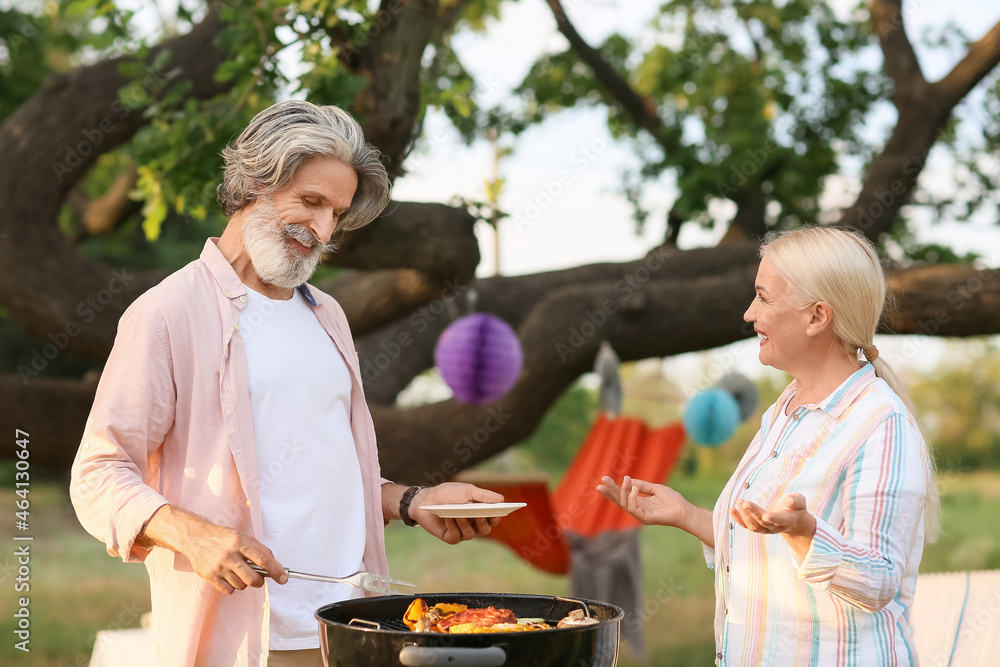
(310, 479)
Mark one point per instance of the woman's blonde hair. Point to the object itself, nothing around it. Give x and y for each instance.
(281, 138)
(841, 268)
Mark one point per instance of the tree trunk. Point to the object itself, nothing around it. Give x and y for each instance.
(392, 63)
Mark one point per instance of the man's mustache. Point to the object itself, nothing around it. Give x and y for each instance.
(305, 237)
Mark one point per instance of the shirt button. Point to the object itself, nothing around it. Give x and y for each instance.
(243, 299)
(746, 485)
(774, 454)
(719, 656)
(730, 525)
(727, 568)
(236, 326)
(795, 417)
(263, 606)
(248, 502)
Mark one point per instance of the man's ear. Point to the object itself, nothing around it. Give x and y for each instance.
(820, 318)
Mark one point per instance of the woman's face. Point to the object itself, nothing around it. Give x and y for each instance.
(778, 319)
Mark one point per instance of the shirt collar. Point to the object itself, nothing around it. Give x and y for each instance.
(849, 391)
(227, 278)
(843, 396)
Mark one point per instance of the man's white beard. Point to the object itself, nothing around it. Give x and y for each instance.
(264, 239)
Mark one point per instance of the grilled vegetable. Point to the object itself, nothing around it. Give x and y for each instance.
(576, 618)
(458, 618)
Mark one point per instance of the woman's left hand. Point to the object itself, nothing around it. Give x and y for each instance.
(789, 518)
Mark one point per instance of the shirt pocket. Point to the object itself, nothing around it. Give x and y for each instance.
(812, 476)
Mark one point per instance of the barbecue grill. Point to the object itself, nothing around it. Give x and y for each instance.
(370, 631)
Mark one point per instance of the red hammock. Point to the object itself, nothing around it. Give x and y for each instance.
(614, 447)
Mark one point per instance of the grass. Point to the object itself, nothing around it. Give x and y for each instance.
(77, 589)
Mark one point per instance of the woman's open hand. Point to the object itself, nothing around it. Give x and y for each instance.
(789, 518)
(657, 504)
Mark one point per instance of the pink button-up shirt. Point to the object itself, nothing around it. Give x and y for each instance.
(171, 423)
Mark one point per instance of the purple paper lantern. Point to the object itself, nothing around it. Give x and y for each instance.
(479, 357)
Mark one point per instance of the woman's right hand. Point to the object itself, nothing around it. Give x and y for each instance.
(658, 504)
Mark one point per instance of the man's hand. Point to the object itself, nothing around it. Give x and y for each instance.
(218, 554)
(453, 531)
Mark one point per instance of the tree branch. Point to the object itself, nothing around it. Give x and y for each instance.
(437, 239)
(901, 62)
(113, 207)
(372, 299)
(982, 57)
(750, 221)
(642, 110)
(893, 174)
(392, 63)
(511, 298)
(560, 337)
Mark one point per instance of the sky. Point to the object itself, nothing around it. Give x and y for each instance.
(588, 219)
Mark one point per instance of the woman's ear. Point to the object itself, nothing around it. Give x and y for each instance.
(820, 318)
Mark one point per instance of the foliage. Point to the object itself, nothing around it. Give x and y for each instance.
(752, 96)
(959, 405)
(771, 96)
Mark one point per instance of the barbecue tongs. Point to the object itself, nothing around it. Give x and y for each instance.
(366, 581)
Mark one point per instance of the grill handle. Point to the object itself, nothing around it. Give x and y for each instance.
(427, 656)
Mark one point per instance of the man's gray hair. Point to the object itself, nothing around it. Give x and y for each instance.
(282, 137)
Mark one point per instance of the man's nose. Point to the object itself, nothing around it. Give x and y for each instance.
(323, 227)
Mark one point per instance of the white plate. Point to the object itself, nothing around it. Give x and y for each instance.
(472, 510)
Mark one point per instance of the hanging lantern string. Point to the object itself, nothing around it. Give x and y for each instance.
(470, 300)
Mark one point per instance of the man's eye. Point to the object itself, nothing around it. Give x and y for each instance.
(311, 202)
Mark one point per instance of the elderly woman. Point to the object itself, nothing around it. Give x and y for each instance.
(817, 537)
(230, 427)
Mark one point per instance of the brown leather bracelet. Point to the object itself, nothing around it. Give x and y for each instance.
(404, 504)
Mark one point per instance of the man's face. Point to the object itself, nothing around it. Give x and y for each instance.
(286, 234)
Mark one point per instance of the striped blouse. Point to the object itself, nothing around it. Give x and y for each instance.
(861, 464)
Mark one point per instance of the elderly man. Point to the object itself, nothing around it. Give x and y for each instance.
(230, 426)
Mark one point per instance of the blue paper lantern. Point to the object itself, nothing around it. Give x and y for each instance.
(479, 357)
(712, 417)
